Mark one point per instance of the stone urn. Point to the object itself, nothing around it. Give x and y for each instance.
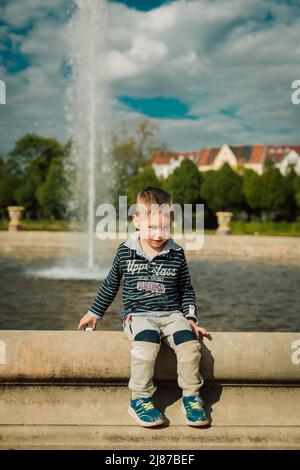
(224, 219)
(15, 215)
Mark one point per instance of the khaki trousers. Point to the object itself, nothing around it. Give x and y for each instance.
(145, 335)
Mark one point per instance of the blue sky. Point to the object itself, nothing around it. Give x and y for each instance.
(207, 71)
(143, 5)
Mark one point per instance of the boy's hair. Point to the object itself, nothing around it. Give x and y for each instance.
(152, 195)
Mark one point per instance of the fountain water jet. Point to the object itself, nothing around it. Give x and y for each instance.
(87, 105)
(89, 167)
(87, 109)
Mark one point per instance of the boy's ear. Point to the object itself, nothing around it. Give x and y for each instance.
(136, 221)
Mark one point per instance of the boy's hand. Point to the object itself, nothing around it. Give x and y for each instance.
(86, 321)
(198, 329)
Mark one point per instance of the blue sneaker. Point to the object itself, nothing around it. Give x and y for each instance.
(194, 412)
(144, 412)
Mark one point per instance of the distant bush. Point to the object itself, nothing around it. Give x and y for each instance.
(266, 228)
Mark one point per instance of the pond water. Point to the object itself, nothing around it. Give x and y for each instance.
(232, 295)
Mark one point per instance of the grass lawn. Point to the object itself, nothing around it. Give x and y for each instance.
(289, 229)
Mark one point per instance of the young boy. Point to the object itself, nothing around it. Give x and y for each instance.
(159, 304)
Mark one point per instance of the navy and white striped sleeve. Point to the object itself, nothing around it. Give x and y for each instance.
(186, 292)
(108, 290)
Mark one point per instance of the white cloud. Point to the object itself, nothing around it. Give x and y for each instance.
(144, 54)
(221, 55)
(159, 20)
(121, 66)
(18, 13)
(214, 56)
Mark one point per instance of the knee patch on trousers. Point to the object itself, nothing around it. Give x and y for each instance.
(189, 352)
(144, 351)
(183, 336)
(151, 336)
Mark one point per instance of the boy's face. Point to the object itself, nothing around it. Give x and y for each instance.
(155, 227)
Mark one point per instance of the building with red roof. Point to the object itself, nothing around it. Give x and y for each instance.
(247, 156)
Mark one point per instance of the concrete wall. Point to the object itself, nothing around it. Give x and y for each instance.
(68, 390)
(105, 356)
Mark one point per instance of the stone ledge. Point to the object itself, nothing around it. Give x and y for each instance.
(73, 356)
(68, 390)
(280, 249)
(106, 405)
(133, 437)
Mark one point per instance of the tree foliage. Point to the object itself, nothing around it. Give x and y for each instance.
(145, 177)
(27, 169)
(223, 190)
(185, 183)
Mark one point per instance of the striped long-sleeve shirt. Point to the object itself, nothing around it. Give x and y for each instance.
(152, 287)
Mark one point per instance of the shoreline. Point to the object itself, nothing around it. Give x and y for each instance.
(59, 244)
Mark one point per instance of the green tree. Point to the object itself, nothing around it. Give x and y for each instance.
(145, 177)
(52, 194)
(289, 211)
(25, 196)
(126, 157)
(8, 185)
(223, 190)
(252, 188)
(1, 164)
(30, 147)
(185, 183)
(131, 149)
(275, 192)
(297, 190)
(29, 164)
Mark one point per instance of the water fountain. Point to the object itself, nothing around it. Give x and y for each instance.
(87, 112)
(89, 166)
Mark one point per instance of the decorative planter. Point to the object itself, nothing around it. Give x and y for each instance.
(15, 215)
(224, 219)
